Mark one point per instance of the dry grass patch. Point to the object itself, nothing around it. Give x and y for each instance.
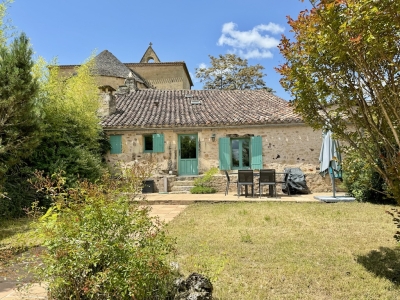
(15, 237)
(291, 250)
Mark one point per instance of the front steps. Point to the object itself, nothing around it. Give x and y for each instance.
(183, 184)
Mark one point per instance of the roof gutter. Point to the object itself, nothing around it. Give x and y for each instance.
(197, 128)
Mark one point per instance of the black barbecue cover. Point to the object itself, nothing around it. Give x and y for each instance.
(296, 181)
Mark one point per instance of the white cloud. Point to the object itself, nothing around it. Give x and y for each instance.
(202, 66)
(255, 53)
(254, 43)
(193, 76)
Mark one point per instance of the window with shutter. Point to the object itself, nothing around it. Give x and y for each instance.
(240, 153)
(158, 142)
(153, 143)
(224, 153)
(256, 152)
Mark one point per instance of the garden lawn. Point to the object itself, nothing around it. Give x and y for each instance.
(16, 237)
(278, 250)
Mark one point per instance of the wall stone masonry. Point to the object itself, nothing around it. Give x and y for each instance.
(284, 146)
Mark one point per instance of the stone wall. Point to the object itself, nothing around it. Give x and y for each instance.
(163, 75)
(283, 146)
(168, 84)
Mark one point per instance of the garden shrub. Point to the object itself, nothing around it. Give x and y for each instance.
(202, 190)
(100, 243)
(202, 185)
(362, 182)
(395, 213)
(17, 194)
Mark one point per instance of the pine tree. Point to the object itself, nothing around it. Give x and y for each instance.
(19, 118)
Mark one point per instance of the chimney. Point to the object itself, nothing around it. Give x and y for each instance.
(108, 105)
(122, 89)
(130, 82)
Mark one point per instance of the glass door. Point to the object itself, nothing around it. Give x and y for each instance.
(240, 154)
(188, 154)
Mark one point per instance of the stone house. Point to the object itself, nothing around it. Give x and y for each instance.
(189, 131)
(149, 73)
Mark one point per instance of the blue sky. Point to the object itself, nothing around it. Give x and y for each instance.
(180, 30)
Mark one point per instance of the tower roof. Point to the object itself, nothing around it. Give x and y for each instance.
(106, 64)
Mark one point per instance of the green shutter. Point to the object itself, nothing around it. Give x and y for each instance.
(256, 153)
(158, 142)
(116, 144)
(225, 153)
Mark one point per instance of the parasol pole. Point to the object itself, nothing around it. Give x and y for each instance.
(333, 180)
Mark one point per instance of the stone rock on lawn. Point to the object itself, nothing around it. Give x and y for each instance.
(195, 287)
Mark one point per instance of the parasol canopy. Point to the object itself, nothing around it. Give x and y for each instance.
(330, 158)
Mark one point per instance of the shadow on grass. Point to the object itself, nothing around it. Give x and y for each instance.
(384, 262)
(12, 227)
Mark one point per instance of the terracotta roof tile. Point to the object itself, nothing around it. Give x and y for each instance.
(218, 107)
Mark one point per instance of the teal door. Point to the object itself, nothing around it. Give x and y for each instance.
(188, 154)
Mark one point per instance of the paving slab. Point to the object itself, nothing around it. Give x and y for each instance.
(9, 291)
(166, 213)
(187, 199)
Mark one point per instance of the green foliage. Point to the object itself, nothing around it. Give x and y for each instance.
(245, 237)
(19, 194)
(73, 140)
(202, 185)
(100, 244)
(5, 25)
(243, 212)
(230, 72)
(70, 138)
(207, 177)
(395, 213)
(202, 190)
(362, 181)
(19, 121)
(342, 69)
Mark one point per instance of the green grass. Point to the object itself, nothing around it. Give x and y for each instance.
(15, 233)
(290, 250)
(15, 236)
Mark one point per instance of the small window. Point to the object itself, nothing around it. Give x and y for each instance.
(116, 144)
(153, 143)
(148, 143)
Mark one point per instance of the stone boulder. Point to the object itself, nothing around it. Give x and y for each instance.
(195, 287)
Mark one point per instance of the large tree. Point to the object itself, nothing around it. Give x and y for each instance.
(5, 24)
(72, 137)
(343, 71)
(230, 72)
(19, 117)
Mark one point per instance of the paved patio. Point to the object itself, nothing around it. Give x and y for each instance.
(186, 199)
(167, 207)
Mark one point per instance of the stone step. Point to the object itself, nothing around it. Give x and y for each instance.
(184, 183)
(187, 178)
(179, 192)
(181, 188)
